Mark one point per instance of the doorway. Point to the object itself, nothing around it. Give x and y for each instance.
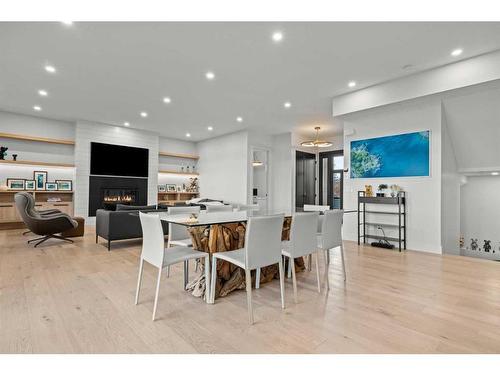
(331, 179)
(305, 181)
(260, 178)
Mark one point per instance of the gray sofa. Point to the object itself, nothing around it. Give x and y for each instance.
(120, 224)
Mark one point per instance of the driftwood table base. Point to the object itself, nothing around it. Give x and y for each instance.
(226, 237)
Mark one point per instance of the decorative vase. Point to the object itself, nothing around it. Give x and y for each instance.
(14, 157)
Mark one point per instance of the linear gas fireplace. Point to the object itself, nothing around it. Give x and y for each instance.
(107, 192)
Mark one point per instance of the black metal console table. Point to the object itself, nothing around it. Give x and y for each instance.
(399, 201)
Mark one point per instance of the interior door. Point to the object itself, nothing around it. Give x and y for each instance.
(331, 179)
(305, 179)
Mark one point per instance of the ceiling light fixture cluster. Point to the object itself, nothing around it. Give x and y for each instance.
(316, 142)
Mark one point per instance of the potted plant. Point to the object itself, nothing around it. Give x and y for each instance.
(381, 190)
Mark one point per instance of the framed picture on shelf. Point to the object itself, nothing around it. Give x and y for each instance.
(171, 188)
(29, 185)
(15, 183)
(179, 188)
(40, 178)
(162, 188)
(51, 186)
(64, 185)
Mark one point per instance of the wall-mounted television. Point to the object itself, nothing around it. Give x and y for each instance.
(115, 160)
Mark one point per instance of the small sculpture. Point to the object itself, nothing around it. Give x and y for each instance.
(3, 152)
(462, 242)
(193, 185)
(14, 157)
(487, 246)
(473, 244)
(368, 191)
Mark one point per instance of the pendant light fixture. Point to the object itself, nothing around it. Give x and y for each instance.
(317, 142)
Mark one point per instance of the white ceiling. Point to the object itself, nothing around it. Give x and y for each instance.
(110, 72)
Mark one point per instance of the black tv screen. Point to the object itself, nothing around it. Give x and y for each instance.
(114, 160)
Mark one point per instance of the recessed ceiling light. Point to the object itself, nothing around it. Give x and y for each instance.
(210, 75)
(188, 135)
(352, 84)
(287, 104)
(210, 128)
(277, 36)
(457, 52)
(494, 173)
(42, 93)
(127, 124)
(50, 68)
(167, 100)
(239, 119)
(67, 23)
(37, 108)
(144, 114)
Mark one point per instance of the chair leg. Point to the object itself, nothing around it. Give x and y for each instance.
(36, 239)
(294, 281)
(168, 271)
(248, 282)
(139, 281)
(328, 256)
(327, 281)
(96, 238)
(207, 279)
(25, 233)
(157, 292)
(309, 262)
(282, 283)
(316, 257)
(343, 261)
(109, 245)
(213, 282)
(257, 278)
(186, 273)
(289, 271)
(41, 241)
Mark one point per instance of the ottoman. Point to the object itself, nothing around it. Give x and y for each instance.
(79, 231)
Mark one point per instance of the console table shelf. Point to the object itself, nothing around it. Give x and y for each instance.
(180, 173)
(170, 198)
(180, 156)
(399, 201)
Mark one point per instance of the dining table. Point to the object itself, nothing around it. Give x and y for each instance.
(225, 231)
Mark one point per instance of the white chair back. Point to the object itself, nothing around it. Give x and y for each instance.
(153, 242)
(176, 231)
(263, 241)
(303, 234)
(331, 231)
(315, 207)
(219, 208)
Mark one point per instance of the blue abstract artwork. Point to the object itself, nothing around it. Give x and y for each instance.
(402, 155)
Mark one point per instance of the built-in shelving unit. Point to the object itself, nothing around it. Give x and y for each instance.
(37, 163)
(176, 155)
(170, 198)
(180, 173)
(37, 139)
(363, 223)
(10, 218)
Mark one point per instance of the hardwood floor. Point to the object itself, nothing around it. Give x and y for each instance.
(78, 298)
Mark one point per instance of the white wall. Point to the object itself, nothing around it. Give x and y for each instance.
(36, 151)
(450, 193)
(480, 205)
(223, 167)
(283, 173)
(424, 193)
(87, 132)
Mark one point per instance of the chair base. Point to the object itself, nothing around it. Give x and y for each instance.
(45, 238)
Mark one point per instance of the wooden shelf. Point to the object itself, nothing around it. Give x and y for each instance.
(37, 163)
(37, 139)
(180, 173)
(175, 155)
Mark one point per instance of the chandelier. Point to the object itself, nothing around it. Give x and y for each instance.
(317, 142)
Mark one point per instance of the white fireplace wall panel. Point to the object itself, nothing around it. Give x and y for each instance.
(87, 132)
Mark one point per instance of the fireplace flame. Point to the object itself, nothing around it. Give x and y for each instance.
(119, 198)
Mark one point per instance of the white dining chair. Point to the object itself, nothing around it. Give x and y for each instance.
(219, 208)
(155, 253)
(315, 207)
(262, 248)
(178, 234)
(303, 242)
(331, 237)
